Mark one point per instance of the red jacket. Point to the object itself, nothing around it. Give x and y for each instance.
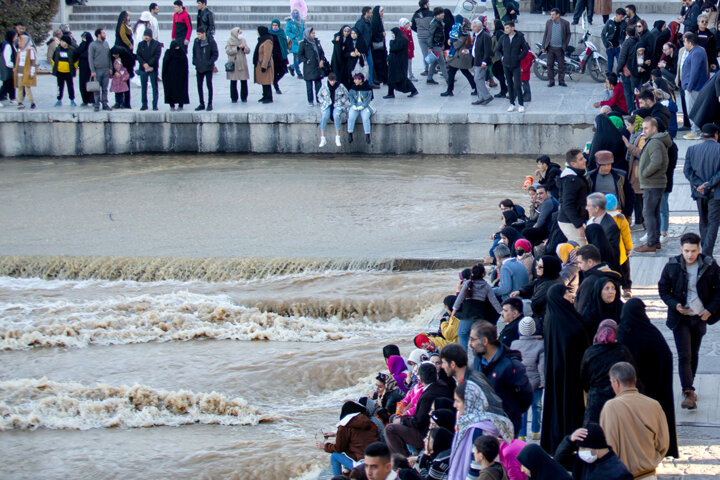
(411, 44)
(526, 66)
(617, 99)
(182, 18)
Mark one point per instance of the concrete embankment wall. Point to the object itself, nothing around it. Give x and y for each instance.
(120, 132)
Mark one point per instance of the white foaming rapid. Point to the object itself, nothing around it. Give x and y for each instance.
(41, 403)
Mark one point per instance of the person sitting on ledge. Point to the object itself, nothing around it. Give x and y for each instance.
(361, 96)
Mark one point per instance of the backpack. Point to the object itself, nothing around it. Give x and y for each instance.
(521, 382)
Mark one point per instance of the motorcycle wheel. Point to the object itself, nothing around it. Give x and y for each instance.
(541, 70)
(598, 67)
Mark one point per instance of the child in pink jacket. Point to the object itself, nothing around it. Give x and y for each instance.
(120, 83)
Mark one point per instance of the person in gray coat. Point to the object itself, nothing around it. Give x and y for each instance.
(462, 60)
(532, 348)
(420, 24)
(100, 67)
(436, 44)
(312, 57)
(702, 169)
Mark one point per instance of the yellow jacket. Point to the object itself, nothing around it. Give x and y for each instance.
(449, 330)
(626, 244)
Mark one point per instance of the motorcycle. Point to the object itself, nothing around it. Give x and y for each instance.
(588, 60)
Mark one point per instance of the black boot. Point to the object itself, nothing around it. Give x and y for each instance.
(350, 137)
(367, 138)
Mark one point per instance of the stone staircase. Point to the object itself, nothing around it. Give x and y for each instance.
(322, 14)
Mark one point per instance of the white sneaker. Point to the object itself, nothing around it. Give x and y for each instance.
(511, 108)
(337, 141)
(521, 109)
(323, 142)
(643, 239)
(664, 238)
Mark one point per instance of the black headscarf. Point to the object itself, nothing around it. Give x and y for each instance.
(349, 408)
(512, 235)
(551, 267)
(498, 30)
(442, 403)
(449, 21)
(377, 26)
(341, 49)
(442, 441)
(595, 236)
(175, 74)
(607, 137)
(653, 359)
(359, 43)
(390, 350)
(565, 345)
(444, 418)
(121, 21)
(82, 49)
(510, 217)
(264, 35)
(541, 465)
(597, 310)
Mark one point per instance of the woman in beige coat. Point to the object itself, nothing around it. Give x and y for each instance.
(25, 70)
(237, 51)
(604, 8)
(263, 63)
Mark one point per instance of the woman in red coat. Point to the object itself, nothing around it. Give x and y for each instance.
(525, 67)
(405, 28)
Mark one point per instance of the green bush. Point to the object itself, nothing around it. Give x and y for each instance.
(37, 15)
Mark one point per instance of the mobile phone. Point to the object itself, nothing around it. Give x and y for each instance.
(588, 145)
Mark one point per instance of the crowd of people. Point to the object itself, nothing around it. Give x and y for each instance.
(537, 369)
(489, 52)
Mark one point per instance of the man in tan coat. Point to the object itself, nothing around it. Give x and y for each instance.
(635, 425)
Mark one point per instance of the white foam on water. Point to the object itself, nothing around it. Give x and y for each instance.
(41, 403)
(178, 316)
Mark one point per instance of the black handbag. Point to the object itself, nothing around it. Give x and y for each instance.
(229, 66)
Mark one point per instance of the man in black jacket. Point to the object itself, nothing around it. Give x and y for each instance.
(148, 57)
(574, 189)
(482, 58)
(205, 54)
(411, 430)
(205, 18)
(690, 287)
(628, 67)
(513, 48)
(504, 369)
(549, 174)
(650, 106)
(612, 35)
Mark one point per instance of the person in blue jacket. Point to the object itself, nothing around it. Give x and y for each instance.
(294, 28)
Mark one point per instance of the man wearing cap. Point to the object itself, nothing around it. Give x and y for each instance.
(588, 455)
(635, 425)
(702, 169)
(606, 179)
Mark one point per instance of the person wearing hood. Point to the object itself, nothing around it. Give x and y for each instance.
(504, 369)
(356, 57)
(397, 75)
(434, 462)
(237, 51)
(294, 28)
(205, 54)
(81, 53)
(405, 28)
(205, 18)
(64, 67)
(333, 99)
(593, 270)
(609, 252)
(378, 46)
(596, 363)
(474, 418)
(7, 61)
(141, 25)
(653, 361)
(574, 190)
(342, 47)
(462, 60)
(420, 24)
(280, 52)
(312, 57)
(538, 465)
(570, 271)
(175, 76)
(548, 269)
(148, 56)
(607, 137)
(626, 243)
(360, 96)
(399, 371)
(565, 345)
(532, 347)
(354, 433)
(652, 174)
(25, 70)
(263, 63)
(589, 456)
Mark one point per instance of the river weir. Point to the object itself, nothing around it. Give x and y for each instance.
(205, 317)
